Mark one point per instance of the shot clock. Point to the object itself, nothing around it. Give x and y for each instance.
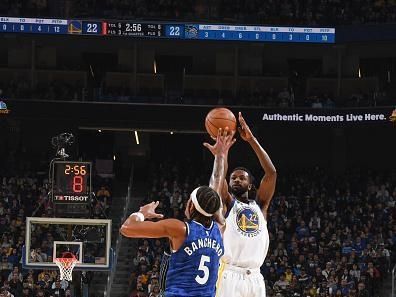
(71, 182)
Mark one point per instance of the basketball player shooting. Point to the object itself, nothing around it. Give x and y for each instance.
(196, 245)
(246, 239)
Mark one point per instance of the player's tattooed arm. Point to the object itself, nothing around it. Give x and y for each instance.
(216, 182)
(224, 193)
(220, 150)
(217, 173)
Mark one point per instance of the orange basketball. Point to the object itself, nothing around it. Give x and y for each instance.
(219, 118)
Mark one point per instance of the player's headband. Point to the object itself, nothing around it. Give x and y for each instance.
(196, 204)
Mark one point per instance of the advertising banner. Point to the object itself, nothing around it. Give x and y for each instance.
(329, 116)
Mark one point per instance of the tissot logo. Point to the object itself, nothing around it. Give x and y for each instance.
(66, 198)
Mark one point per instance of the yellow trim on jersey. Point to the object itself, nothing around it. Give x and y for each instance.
(219, 276)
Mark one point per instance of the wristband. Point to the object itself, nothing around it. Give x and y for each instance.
(139, 215)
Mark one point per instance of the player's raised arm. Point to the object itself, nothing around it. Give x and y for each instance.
(220, 150)
(223, 190)
(225, 139)
(136, 227)
(267, 185)
(224, 193)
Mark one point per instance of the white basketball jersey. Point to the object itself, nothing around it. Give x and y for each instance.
(246, 239)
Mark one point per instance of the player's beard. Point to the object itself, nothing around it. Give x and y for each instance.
(238, 191)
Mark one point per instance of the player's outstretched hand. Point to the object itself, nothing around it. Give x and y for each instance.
(148, 211)
(224, 141)
(244, 129)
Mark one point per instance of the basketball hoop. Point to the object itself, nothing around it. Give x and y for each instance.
(66, 265)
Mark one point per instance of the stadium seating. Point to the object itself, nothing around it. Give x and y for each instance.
(355, 93)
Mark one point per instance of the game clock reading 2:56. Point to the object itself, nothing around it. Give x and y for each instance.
(72, 182)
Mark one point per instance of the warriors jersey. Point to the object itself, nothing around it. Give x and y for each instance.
(193, 268)
(246, 239)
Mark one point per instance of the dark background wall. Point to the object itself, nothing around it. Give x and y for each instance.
(291, 146)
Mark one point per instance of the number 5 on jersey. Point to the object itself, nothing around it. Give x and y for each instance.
(202, 280)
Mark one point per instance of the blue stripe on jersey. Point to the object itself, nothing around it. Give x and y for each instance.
(194, 266)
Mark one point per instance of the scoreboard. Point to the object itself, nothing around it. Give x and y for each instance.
(71, 182)
(166, 30)
(71, 188)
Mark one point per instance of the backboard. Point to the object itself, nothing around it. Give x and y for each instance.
(48, 238)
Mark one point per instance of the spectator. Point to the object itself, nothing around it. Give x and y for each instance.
(14, 272)
(344, 288)
(317, 103)
(64, 284)
(58, 291)
(284, 98)
(362, 292)
(288, 274)
(282, 284)
(26, 292)
(302, 230)
(155, 292)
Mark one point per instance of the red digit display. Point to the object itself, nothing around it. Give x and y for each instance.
(71, 178)
(78, 184)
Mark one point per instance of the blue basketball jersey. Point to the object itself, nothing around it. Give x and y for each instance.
(193, 268)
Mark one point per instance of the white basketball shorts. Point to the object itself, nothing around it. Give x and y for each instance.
(239, 282)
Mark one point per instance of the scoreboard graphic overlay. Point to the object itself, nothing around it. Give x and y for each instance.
(184, 31)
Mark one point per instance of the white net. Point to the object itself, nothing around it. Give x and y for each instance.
(66, 266)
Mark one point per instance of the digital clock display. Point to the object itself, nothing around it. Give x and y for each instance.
(71, 182)
(79, 177)
(135, 29)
